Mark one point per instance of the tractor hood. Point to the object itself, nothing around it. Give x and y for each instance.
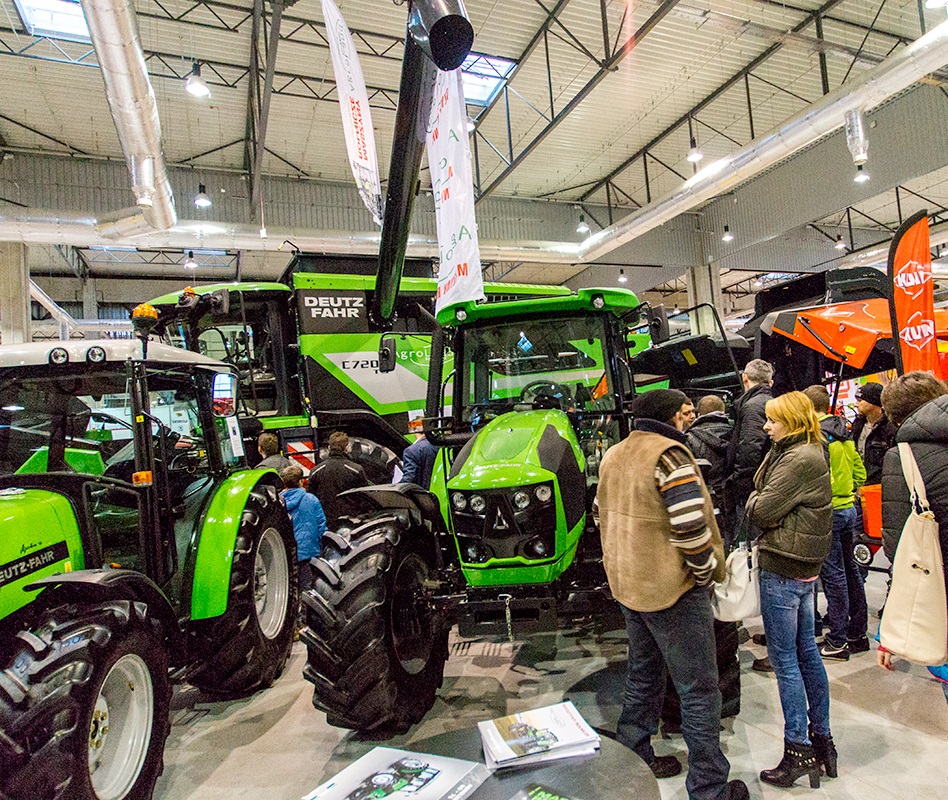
(38, 537)
(517, 499)
(517, 449)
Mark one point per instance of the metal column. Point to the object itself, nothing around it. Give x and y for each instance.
(14, 294)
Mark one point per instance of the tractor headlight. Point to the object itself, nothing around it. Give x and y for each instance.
(95, 355)
(521, 500)
(58, 355)
(478, 504)
(543, 493)
(458, 501)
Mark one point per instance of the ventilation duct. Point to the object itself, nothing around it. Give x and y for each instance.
(113, 29)
(925, 55)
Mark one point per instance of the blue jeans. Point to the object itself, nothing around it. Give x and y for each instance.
(833, 577)
(787, 608)
(681, 637)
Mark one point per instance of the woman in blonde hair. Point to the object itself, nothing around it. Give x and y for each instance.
(792, 505)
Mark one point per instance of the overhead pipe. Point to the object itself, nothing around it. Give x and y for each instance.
(113, 28)
(38, 226)
(925, 55)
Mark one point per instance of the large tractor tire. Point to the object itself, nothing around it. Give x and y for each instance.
(247, 648)
(376, 647)
(84, 698)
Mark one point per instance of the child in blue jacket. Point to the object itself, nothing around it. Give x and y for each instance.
(309, 521)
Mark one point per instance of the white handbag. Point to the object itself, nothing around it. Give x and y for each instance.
(915, 623)
(737, 597)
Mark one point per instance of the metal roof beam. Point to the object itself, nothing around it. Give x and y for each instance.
(732, 81)
(608, 66)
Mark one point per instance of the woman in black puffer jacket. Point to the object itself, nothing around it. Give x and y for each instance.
(918, 403)
(792, 505)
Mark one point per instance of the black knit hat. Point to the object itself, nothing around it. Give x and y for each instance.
(871, 393)
(659, 404)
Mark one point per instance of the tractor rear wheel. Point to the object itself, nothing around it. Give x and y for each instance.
(84, 698)
(248, 646)
(376, 647)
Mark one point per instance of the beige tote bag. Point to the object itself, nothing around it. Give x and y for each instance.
(915, 623)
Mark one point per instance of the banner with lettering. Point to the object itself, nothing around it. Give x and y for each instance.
(452, 182)
(354, 105)
(913, 299)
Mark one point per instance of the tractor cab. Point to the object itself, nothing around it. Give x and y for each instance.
(131, 443)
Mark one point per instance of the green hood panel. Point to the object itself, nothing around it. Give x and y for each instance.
(516, 452)
(505, 451)
(39, 536)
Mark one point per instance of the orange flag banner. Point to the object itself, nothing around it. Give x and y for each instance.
(913, 299)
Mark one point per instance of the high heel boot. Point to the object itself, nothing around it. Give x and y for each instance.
(798, 760)
(825, 752)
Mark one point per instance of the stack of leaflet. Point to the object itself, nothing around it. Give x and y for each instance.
(542, 734)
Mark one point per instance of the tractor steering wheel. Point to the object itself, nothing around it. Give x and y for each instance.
(547, 394)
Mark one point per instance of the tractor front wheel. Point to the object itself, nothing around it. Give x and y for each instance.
(248, 647)
(84, 698)
(376, 646)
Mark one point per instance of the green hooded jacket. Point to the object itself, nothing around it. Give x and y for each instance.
(847, 472)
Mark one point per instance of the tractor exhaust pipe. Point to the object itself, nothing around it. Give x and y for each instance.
(439, 37)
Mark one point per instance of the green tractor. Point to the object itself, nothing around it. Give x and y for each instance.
(307, 354)
(505, 542)
(136, 550)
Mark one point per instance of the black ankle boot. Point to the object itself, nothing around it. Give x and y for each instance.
(798, 760)
(825, 752)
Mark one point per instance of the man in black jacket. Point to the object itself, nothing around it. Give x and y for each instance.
(335, 474)
(709, 439)
(749, 442)
(872, 432)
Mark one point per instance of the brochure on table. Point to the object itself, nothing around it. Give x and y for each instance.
(542, 734)
(385, 772)
(540, 791)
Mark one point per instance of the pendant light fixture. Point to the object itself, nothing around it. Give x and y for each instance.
(195, 84)
(728, 236)
(583, 226)
(202, 199)
(622, 276)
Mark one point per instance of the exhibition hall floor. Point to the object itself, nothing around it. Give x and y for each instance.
(891, 728)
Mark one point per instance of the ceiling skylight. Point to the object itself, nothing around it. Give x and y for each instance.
(484, 77)
(58, 19)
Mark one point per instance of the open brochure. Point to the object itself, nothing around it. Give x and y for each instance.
(542, 734)
(401, 774)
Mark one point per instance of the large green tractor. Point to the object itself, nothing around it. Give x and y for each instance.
(505, 542)
(135, 551)
(307, 354)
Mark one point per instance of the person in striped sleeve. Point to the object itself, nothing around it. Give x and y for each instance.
(662, 550)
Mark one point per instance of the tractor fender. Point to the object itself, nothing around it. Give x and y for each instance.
(394, 496)
(101, 585)
(216, 536)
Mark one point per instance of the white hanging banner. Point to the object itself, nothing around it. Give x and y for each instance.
(354, 105)
(449, 161)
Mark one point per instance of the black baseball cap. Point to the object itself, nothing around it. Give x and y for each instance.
(871, 393)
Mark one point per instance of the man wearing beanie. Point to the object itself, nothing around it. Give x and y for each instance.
(661, 551)
(872, 432)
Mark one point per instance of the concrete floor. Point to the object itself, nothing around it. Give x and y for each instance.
(891, 728)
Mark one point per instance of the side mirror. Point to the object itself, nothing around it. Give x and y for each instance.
(387, 351)
(220, 301)
(225, 394)
(657, 324)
